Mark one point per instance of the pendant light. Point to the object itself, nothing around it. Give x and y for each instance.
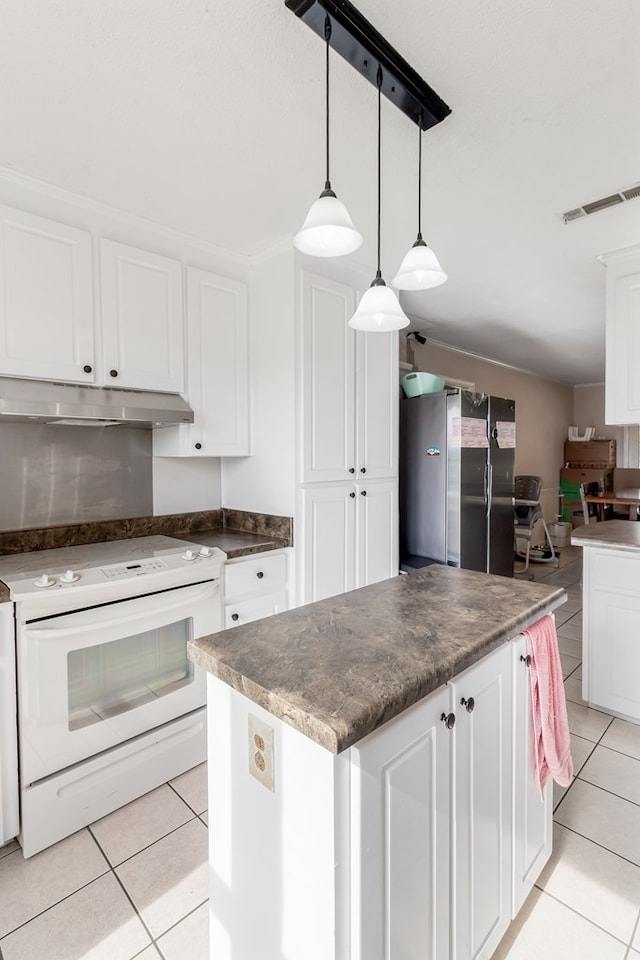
(420, 269)
(379, 309)
(328, 230)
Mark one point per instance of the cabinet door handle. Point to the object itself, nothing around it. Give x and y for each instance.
(363, 469)
(198, 446)
(113, 373)
(449, 720)
(363, 493)
(352, 494)
(352, 469)
(469, 704)
(526, 660)
(259, 574)
(88, 368)
(235, 616)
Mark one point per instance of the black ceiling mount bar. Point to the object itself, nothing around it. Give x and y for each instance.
(353, 37)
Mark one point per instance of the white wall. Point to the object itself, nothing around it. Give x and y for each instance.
(265, 482)
(181, 484)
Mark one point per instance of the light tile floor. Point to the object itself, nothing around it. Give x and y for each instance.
(134, 884)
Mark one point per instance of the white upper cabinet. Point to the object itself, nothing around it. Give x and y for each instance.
(328, 377)
(46, 299)
(217, 371)
(142, 319)
(622, 388)
(350, 389)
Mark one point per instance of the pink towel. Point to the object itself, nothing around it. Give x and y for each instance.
(550, 727)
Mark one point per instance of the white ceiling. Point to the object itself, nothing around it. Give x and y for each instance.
(207, 116)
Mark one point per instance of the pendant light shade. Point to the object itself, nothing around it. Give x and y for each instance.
(328, 230)
(379, 310)
(420, 269)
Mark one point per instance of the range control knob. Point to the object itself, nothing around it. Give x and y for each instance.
(69, 577)
(44, 581)
(204, 552)
(188, 555)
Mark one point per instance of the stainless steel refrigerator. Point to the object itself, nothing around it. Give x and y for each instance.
(456, 480)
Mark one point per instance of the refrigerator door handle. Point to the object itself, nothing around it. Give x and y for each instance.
(488, 486)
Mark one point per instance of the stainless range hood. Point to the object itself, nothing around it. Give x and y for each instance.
(66, 403)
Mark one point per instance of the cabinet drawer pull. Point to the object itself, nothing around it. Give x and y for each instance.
(363, 493)
(259, 574)
(113, 373)
(352, 494)
(526, 660)
(363, 469)
(198, 446)
(352, 469)
(87, 368)
(449, 720)
(235, 616)
(469, 704)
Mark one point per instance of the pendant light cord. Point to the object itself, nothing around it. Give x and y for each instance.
(327, 36)
(420, 179)
(379, 82)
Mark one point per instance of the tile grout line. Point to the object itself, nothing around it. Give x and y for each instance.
(581, 915)
(123, 888)
(632, 938)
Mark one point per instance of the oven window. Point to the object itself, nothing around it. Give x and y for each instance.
(123, 674)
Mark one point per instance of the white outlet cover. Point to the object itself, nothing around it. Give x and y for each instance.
(261, 752)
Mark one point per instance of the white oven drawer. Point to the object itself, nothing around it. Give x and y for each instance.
(245, 611)
(263, 573)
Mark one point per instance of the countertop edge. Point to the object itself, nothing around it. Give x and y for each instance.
(337, 737)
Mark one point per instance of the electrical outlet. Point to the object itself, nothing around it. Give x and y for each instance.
(261, 751)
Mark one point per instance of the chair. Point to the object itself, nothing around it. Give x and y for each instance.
(625, 478)
(527, 514)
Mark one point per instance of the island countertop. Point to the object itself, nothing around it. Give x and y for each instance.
(610, 534)
(340, 668)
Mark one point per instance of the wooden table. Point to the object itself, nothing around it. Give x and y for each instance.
(624, 496)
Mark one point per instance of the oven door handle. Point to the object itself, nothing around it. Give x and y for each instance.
(152, 605)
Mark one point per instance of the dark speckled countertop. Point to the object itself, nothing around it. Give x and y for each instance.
(338, 669)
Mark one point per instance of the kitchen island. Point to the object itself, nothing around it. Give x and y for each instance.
(611, 616)
(371, 792)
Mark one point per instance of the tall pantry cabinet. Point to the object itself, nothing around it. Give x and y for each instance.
(324, 426)
(348, 410)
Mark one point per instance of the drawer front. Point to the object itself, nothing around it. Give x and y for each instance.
(262, 573)
(245, 611)
(617, 571)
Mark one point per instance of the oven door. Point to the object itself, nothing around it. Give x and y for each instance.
(93, 679)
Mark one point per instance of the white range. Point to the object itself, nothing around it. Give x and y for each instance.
(109, 706)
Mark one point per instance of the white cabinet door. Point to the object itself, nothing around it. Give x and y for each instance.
(217, 372)
(377, 531)
(532, 811)
(482, 805)
(328, 381)
(328, 549)
(622, 389)
(142, 319)
(377, 405)
(46, 299)
(400, 842)
(611, 632)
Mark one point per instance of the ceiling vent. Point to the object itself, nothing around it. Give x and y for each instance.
(612, 201)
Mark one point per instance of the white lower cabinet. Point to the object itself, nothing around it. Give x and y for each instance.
(349, 537)
(255, 586)
(532, 828)
(611, 628)
(449, 830)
